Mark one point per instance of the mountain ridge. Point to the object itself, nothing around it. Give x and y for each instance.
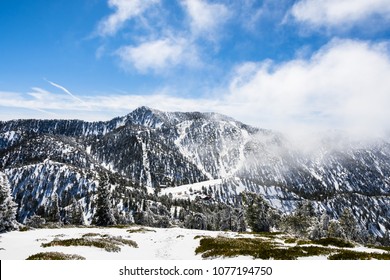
(154, 149)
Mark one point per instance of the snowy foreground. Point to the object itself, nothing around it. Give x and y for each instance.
(153, 243)
(156, 244)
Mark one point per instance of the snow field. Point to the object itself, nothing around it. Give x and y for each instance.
(153, 244)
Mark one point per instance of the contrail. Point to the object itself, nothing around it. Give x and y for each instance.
(64, 90)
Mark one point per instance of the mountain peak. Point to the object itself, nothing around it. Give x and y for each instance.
(147, 116)
(144, 109)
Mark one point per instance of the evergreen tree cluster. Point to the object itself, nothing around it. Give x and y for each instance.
(307, 222)
(7, 206)
(115, 202)
(259, 214)
(104, 215)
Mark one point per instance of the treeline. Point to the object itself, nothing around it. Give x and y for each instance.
(307, 222)
(112, 205)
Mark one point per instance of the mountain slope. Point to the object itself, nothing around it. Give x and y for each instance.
(154, 149)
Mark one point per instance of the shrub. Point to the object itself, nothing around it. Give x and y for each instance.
(110, 244)
(24, 228)
(350, 255)
(333, 242)
(98, 243)
(54, 256)
(353, 255)
(91, 234)
(384, 248)
(140, 230)
(290, 240)
(200, 236)
(255, 247)
(36, 221)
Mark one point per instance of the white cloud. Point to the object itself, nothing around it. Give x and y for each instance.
(124, 10)
(338, 13)
(206, 18)
(38, 93)
(344, 85)
(157, 55)
(94, 108)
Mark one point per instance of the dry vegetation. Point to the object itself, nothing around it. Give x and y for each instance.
(54, 256)
(274, 246)
(106, 242)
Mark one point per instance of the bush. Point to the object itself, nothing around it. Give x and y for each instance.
(36, 221)
(255, 247)
(333, 242)
(140, 230)
(384, 248)
(98, 243)
(54, 256)
(353, 255)
(290, 240)
(110, 244)
(350, 255)
(24, 228)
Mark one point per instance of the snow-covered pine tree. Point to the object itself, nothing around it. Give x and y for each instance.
(319, 227)
(335, 230)
(349, 224)
(258, 212)
(303, 221)
(7, 206)
(104, 215)
(76, 213)
(54, 211)
(386, 239)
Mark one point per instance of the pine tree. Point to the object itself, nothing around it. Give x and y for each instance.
(386, 239)
(303, 221)
(104, 215)
(7, 206)
(348, 224)
(76, 213)
(259, 213)
(324, 221)
(54, 211)
(335, 230)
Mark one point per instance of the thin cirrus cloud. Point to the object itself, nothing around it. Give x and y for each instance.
(338, 13)
(124, 11)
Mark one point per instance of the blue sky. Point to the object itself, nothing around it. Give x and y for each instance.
(273, 64)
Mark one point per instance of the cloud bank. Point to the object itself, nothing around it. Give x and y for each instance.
(344, 85)
(338, 13)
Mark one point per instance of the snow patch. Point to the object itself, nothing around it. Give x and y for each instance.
(190, 190)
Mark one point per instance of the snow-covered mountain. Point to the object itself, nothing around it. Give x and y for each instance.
(176, 151)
